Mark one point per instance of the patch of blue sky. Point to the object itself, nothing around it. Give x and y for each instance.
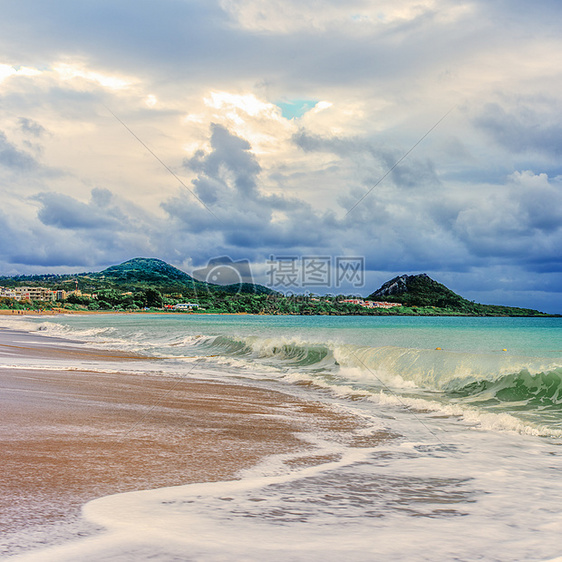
(294, 109)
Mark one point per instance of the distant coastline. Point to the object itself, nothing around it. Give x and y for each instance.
(151, 285)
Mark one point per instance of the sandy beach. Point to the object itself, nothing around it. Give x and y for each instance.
(68, 436)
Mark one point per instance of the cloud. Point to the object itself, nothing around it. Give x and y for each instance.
(65, 212)
(31, 127)
(68, 232)
(227, 181)
(230, 155)
(394, 227)
(387, 230)
(523, 128)
(325, 42)
(13, 158)
(379, 158)
(330, 15)
(520, 220)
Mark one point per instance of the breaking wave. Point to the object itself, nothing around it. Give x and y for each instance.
(453, 382)
(543, 390)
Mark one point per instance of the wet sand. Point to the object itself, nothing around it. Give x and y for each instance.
(68, 436)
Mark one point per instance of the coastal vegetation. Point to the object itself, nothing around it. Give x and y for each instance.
(153, 285)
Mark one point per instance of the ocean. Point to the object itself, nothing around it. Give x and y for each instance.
(458, 457)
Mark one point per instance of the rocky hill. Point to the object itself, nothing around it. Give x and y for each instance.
(423, 291)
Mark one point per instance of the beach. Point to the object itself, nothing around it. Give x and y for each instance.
(70, 435)
(238, 437)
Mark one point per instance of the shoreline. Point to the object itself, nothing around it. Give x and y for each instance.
(16, 313)
(70, 436)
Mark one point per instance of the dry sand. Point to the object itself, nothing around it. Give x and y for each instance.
(67, 437)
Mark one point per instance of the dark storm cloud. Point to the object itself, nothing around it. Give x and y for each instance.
(392, 228)
(231, 152)
(227, 179)
(389, 234)
(7, 237)
(519, 222)
(33, 245)
(71, 233)
(66, 212)
(375, 157)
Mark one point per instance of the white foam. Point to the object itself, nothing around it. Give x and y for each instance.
(405, 500)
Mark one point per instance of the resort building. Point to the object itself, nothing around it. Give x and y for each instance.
(372, 304)
(28, 293)
(185, 306)
(6, 293)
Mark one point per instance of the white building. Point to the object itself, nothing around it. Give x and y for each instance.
(185, 306)
(372, 304)
(28, 293)
(6, 293)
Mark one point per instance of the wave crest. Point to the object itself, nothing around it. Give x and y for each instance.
(541, 389)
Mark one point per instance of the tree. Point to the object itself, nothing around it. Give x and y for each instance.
(153, 298)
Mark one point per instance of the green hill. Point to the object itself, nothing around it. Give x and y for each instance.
(143, 272)
(133, 275)
(423, 292)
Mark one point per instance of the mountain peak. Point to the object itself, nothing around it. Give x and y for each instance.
(400, 285)
(418, 290)
(146, 269)
(160, 274)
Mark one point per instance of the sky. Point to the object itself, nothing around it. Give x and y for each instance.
(416, 136)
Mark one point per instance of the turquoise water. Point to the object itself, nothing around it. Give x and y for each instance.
(534, 337)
